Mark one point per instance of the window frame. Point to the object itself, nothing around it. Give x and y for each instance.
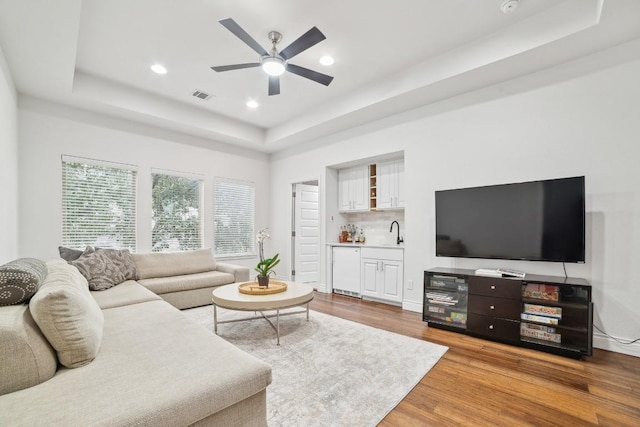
(71, 240)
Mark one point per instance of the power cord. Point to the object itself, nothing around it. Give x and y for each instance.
(616, 339)
(565, 270)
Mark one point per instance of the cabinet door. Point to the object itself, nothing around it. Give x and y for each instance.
(390, 183)
(353, 189)
(391, 286)
(385, 183)
(345, 179)
(400, 183)
(369, 274)
(360, 188)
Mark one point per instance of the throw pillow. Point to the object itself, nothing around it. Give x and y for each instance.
(67, 315)
(69, 254)
(99, 270)
(123, 261)
(20, 279)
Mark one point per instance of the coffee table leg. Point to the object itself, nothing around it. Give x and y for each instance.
(278, 325)
(215, 319)
(307, 312)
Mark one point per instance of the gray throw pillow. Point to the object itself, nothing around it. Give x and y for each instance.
(69, 254)
(99, 269)
(20, 280)
(123, 260)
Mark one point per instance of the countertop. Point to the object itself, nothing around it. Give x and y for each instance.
(367, 245)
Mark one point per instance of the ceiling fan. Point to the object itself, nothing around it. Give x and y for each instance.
(275, 63)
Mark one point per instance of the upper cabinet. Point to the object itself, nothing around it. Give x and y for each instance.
(353, 189)
(390, 184)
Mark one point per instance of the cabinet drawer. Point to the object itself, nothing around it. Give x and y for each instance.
(495, 307)
(383, 253)
(492, 286)
(491, 327)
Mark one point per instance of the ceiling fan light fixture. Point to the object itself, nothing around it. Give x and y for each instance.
(327, 60)
(159, 69)
(273, 65)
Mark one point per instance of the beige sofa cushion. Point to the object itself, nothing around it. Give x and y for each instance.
(67, 315)
(163, 285)
(26, 357)
(126, 293)
(164, 264)
(155, 368)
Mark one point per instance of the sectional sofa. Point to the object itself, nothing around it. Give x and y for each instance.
(126, 355)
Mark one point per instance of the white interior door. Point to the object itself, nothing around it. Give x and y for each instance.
(307, 234)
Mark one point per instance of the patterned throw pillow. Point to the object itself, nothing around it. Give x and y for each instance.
(99, 269)
(123, 260)
(20, 279)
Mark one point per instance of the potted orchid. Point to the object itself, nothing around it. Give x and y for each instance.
(265, 266)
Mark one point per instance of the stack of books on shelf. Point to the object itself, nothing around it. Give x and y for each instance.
(546, 333)
(539, 291)
(442, 298)
(541, 314)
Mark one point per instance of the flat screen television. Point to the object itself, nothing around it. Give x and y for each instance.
(533, 221)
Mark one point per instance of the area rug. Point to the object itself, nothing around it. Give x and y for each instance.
(328, 371)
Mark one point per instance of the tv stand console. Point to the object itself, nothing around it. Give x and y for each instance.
(546, 313)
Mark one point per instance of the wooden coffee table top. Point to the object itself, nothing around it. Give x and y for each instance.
(228, 296)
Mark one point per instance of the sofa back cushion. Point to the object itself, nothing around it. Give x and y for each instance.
(67, 315)
(164, 264)
(27, 358)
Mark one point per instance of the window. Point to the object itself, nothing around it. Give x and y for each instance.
(175, 212)
(98, 204)
(234, 217)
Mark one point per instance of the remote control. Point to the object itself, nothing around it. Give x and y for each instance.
(510, 273)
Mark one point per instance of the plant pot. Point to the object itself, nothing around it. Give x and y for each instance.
(263, 281)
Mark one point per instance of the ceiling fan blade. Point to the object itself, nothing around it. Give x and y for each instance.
(233, 26)
(310, 74)
(274, 85)
(235, 67)
(302, 43)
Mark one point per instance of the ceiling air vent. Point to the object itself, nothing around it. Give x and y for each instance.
(201, 95)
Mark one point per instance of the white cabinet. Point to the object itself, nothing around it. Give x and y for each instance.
(346, 270)
(353, 189)
(382, 273)
(390, 184)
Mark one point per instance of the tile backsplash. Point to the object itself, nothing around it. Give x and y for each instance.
(376, 225)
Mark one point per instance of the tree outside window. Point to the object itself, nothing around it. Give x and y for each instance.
(176, 220)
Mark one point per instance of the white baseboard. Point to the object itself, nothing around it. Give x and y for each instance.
(604, 342)
(412, 306)
(322, 287)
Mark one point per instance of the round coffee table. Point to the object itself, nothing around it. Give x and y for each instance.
(230, 298)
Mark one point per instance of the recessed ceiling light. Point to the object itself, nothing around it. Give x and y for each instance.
(252, 103)
(158, 69)
(326, 60)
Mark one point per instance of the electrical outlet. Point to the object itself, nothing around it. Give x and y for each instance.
(410, 285)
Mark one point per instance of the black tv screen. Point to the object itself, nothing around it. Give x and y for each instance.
(534, 221)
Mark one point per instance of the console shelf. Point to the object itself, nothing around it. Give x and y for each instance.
(546, 313)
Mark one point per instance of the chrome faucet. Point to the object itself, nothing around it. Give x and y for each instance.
(398, 239)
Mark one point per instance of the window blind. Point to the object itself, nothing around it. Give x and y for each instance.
(234, 217)
(98, 204)
(176, 218)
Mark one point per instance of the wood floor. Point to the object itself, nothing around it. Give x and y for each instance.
(480, 383)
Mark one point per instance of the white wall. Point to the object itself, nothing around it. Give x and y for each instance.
(8, 165)
(48, 131)
(587, 125)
